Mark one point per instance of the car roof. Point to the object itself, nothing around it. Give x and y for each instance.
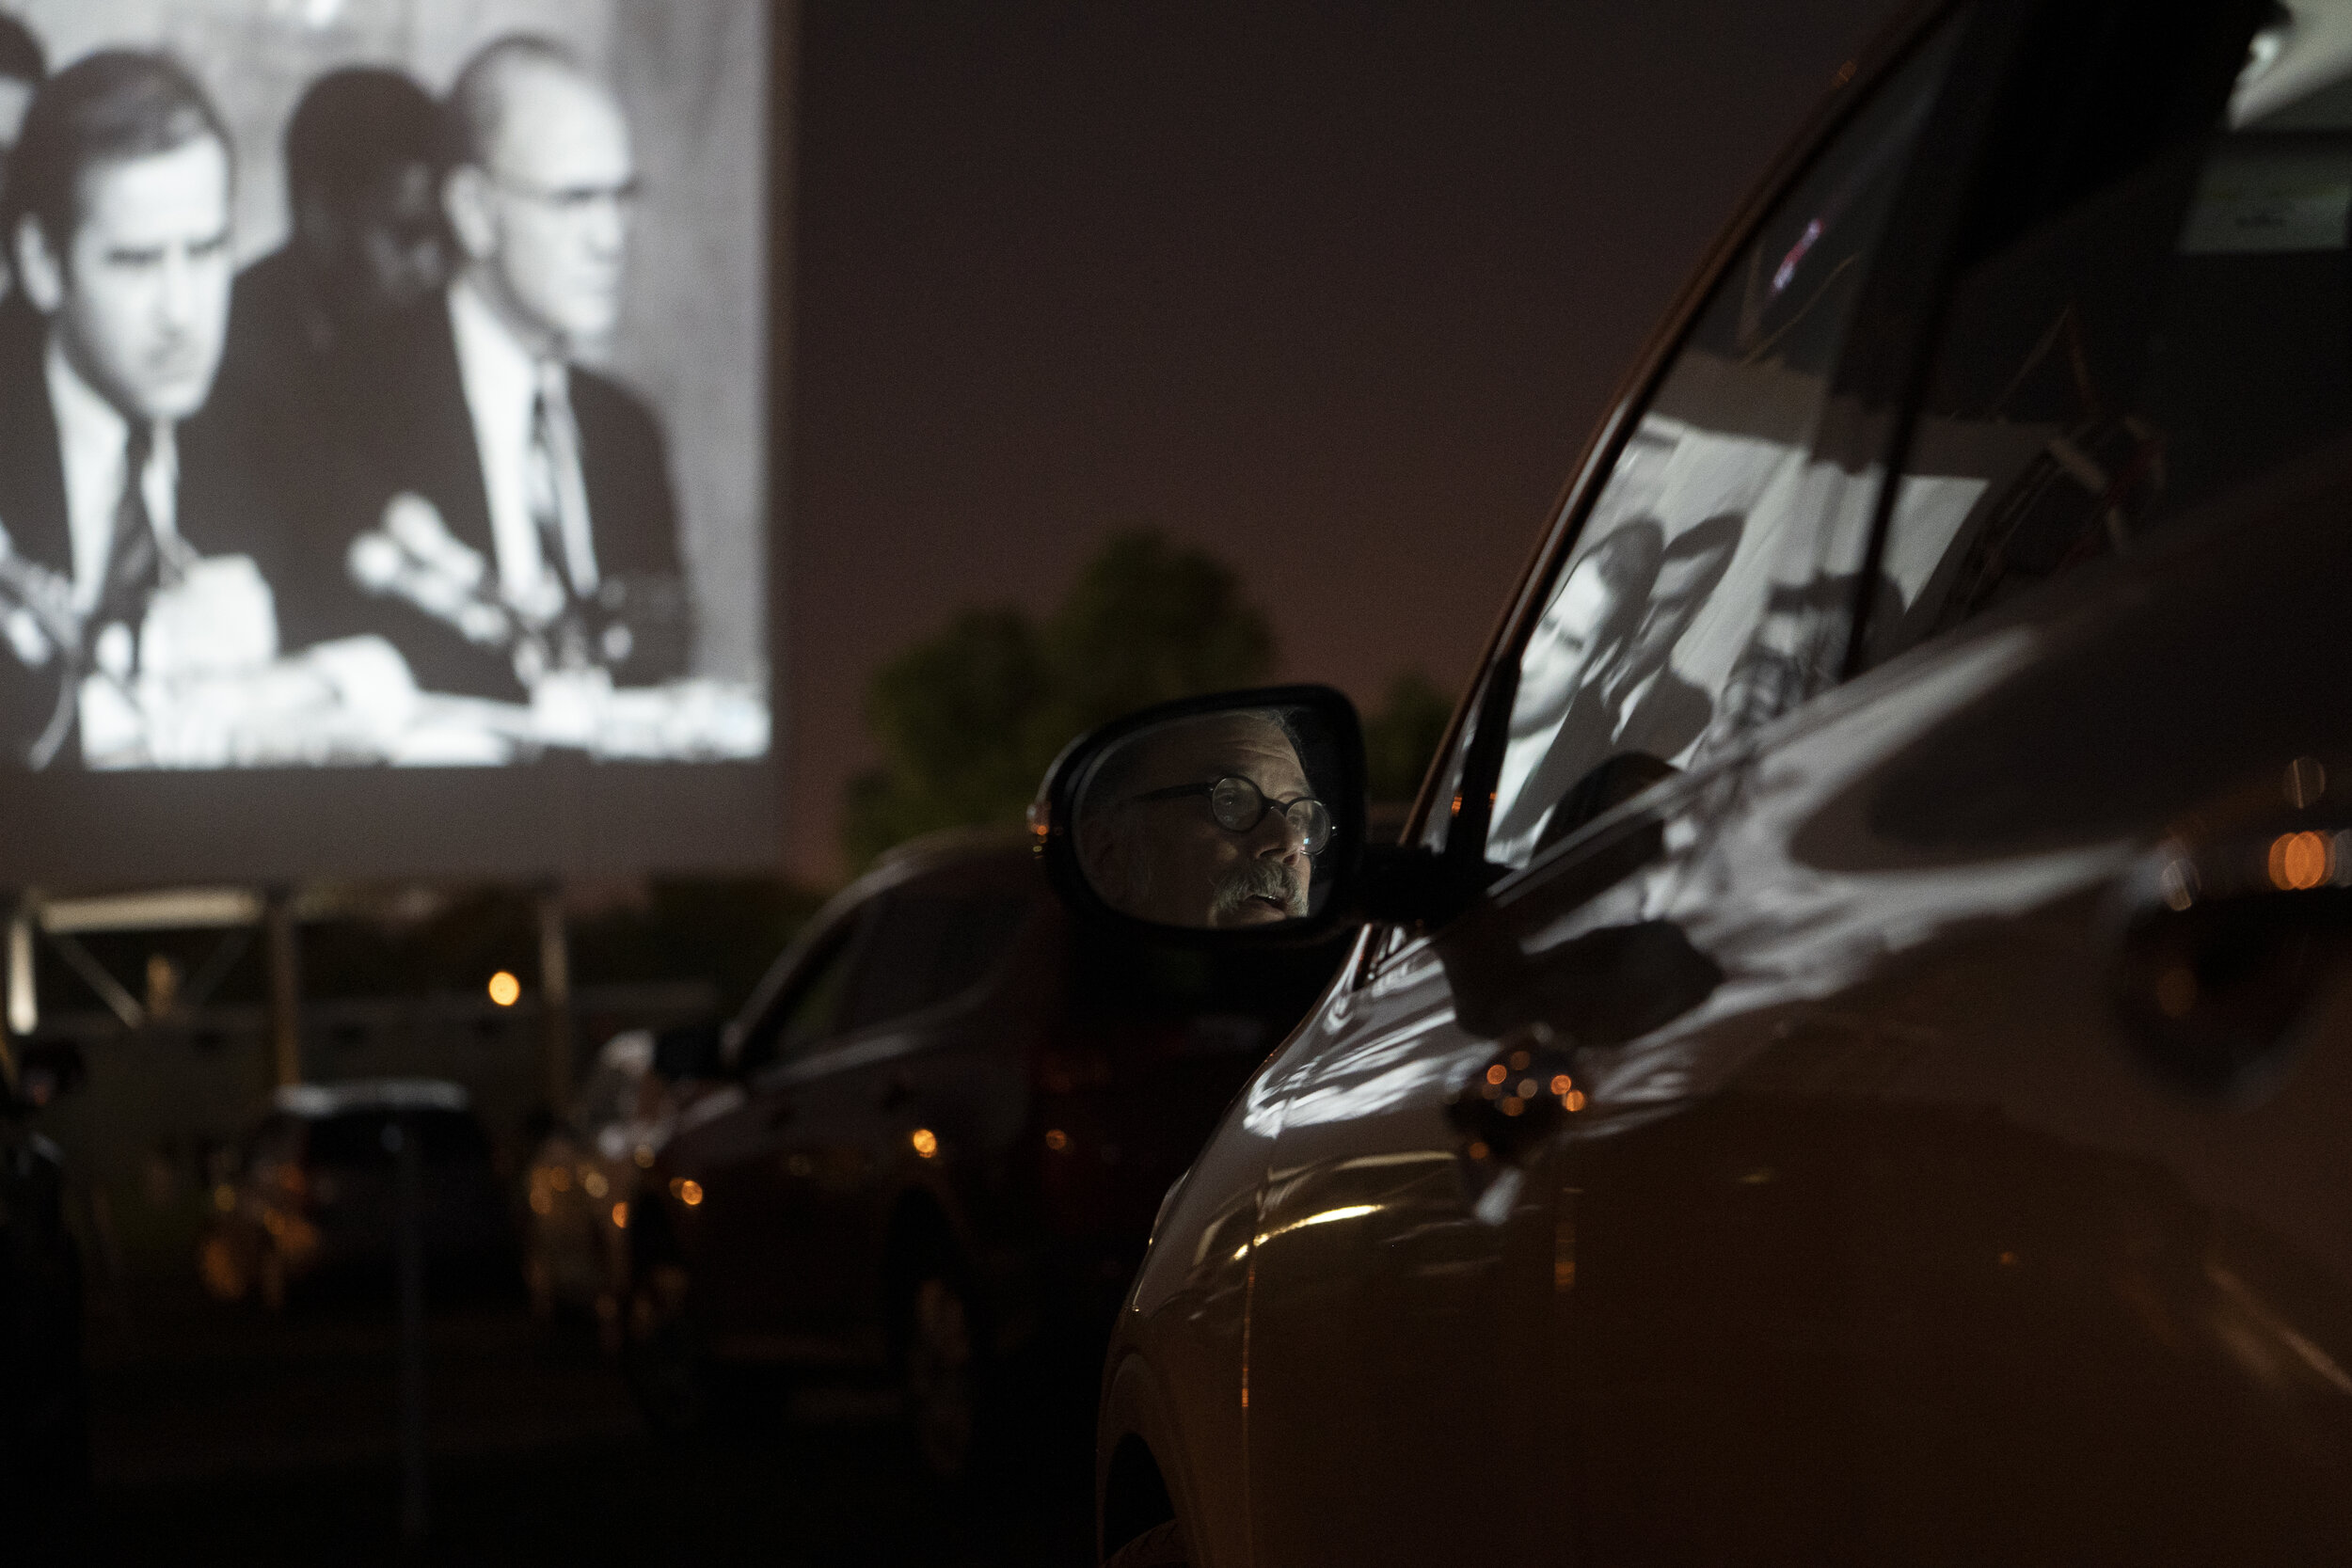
(945, 847)
(317, 1102)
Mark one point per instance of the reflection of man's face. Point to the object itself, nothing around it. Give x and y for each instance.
(1561, 646)
(1169, 861)
(560, 181)
(1683, 585)
(140, 296)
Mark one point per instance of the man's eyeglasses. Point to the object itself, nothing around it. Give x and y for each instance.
(1238, 805)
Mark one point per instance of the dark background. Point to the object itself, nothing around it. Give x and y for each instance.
(1335, 292)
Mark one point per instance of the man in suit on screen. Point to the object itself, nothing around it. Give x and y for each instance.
(120, 522)
(514, 519)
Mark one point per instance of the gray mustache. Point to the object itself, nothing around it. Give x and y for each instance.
(1257, 878)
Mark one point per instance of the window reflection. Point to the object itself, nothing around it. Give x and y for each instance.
(2159, 343)
(1714, 576)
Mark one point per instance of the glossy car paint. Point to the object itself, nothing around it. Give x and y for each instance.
(1888, 1226)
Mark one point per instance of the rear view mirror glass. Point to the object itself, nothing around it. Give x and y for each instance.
(1216, 820)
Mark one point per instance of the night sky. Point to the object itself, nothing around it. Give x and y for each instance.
(1333, 291)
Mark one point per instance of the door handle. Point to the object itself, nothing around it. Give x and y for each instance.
(1517, 1099)
(2217, 948)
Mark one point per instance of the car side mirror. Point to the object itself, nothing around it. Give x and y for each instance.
(1232, 819)
(46, 1069)
(687, 1051)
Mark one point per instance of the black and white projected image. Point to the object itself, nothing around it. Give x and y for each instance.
(382, 382)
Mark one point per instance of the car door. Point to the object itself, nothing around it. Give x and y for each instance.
(1944, 1226)
(1415, 1252)
(2031, 1060)
(741, 1219)
(917, 1084)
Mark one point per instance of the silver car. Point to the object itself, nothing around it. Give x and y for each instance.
(1852, 1061)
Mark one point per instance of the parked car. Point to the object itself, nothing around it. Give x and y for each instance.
(585, 1175)
(45, 1422)
(1851, 1062)
(313, 1200)
(946, 1123)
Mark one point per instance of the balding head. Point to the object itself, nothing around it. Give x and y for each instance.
(539, 198)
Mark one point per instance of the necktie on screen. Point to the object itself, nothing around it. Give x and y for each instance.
(559, 499)
(133, 564)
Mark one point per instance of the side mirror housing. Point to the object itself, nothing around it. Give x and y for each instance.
(1232, 819)
(687, 1051)
(46, 1069)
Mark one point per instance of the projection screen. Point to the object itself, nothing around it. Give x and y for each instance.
(387, 436)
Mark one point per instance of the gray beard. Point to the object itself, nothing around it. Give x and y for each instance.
(1256, 877)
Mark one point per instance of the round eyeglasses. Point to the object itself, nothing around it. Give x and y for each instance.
(1238, 805)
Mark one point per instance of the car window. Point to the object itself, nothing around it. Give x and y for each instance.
(2175, 330)
(1709, 588)
(930, 946)
(808, 1010)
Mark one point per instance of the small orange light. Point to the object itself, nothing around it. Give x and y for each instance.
(686, 1190)
(505, 990)
(620, 1216)
(1562, 1083)
(540, 1202)
(1056, 1140)
(2008, 1259)
(925, 1143)
(1497, 1073)
(1573, 1099)
(1513, 1105)
(560, 1179)
(2300, 861)
(1479, 1150)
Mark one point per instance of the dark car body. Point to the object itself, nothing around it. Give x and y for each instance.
(315, 1199)
(45, 1442)
(943, 1099)
(588, 1173)
(1906, 1115)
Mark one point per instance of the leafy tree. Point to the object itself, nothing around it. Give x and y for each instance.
(969, 720)
(955, 716)
(1145, 622)
(1402, 739)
